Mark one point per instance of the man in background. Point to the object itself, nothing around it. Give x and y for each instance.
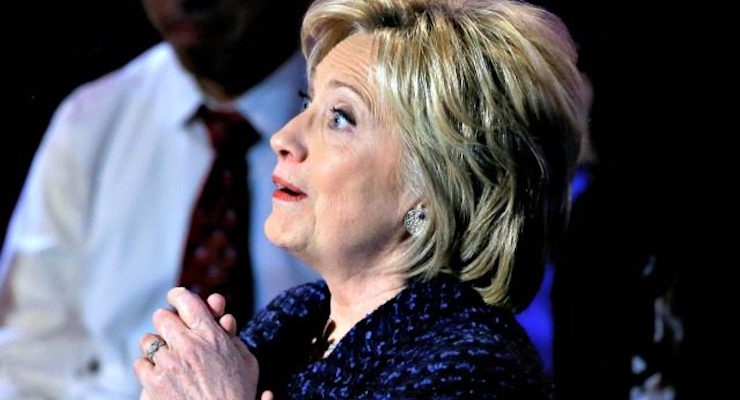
(122, 201)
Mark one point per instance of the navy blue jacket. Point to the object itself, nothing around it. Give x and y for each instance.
(434, 340)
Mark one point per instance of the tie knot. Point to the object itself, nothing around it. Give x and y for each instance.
(229, 131)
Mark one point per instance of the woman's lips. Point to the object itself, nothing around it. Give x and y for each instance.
(286, 191)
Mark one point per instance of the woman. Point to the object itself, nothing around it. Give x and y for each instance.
(425, 180)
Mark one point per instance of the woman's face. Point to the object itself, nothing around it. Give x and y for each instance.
(339, 197)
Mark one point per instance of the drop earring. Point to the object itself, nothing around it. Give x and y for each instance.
(414, 221)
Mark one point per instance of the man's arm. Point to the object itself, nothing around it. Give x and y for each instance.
(41, 270)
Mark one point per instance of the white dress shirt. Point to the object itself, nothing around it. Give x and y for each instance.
(97, 238)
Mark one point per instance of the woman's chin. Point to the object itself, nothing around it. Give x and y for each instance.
(278, 234)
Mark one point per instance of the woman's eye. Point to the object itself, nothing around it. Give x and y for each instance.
(341, 119)
(306, 101)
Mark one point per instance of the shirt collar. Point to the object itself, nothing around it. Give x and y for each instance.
(272, 102)
(179, 91)
(275, 101)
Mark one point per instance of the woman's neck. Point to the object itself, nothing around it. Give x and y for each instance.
(354, 297)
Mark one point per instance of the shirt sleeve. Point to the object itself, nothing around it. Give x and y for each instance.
(41, 335)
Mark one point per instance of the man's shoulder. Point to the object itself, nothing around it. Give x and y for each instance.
(138, 74)
(129, 95)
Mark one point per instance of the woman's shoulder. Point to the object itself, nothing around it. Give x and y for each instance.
(470, 359)
(483, 335)
(472, 350)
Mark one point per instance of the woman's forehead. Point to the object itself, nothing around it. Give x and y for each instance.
(349, 61)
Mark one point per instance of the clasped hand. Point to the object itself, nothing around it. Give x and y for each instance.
(202, 358)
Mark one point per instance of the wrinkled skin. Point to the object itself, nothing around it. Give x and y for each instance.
(203, 358)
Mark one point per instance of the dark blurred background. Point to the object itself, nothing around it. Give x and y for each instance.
(49, 48)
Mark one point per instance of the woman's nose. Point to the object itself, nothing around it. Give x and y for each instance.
(289, 142)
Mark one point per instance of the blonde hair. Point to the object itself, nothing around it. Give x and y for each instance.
(491, 108)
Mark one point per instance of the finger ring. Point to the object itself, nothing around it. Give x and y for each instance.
(154, 347)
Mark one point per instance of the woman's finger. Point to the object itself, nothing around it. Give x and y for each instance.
(150, 344)
(267, 395)
(228, 322)
(193, 311)
(144, 371)
(217, 304)
(169, 325)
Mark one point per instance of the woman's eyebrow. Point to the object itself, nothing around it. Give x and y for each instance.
(335, 83)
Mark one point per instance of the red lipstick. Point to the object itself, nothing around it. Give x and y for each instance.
(286, 191)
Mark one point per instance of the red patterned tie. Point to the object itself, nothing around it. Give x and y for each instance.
(216, 255)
